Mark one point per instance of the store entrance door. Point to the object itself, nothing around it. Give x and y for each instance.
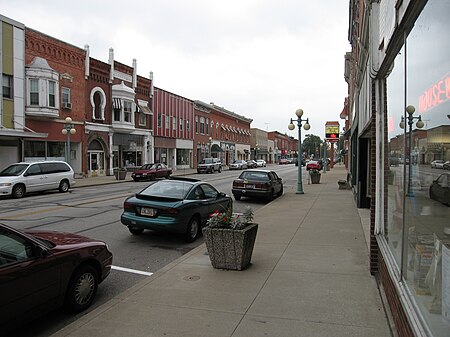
(96, 163)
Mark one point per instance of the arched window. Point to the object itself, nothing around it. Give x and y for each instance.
(98, 103)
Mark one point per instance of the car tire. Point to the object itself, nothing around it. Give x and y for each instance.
(136, 231)
(271, 195)
(168, 176)
(281, 192)
(237, 196)
(64, 186)
(192, 229)
(81, 289)
(152, 177)
(18, 191)
(220, 169)
(136, 180)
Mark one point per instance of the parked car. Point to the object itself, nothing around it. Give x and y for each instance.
(257, 184)
(437, 164)
(252, 164)
(151, 172)
(440, 189)
(209, 165)
(43, 270)
(303, 162)
(21, 178)
(261, 163)
(394, 161)
(313, 165)
(238, 165)
(179, 205)
(283, 161)
(446, 165)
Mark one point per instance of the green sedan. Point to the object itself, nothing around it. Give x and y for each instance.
(179, 205)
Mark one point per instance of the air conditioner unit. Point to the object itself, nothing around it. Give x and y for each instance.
(67, 105)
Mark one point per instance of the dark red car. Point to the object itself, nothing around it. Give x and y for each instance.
(151, 172)
(313, 165)
(43, 270)
(283, 161)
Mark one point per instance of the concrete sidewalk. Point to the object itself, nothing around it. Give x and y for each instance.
(309, 277)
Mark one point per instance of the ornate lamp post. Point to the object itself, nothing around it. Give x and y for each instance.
(291, 127)
(410, 119)
(68, 129)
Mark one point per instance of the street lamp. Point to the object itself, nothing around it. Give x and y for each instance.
(68, 129)
(291, 127)
(256, 151)
(410, 120)
(210, 144)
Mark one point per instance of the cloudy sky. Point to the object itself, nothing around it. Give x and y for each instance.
(262, 59)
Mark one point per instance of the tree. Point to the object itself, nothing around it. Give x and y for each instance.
(311, 144)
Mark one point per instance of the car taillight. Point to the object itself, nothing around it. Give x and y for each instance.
(169, 211)
(127, 206)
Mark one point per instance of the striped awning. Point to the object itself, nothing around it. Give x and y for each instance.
(144, 108)
(117, 104)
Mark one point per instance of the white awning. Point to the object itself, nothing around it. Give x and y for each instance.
(145, 109)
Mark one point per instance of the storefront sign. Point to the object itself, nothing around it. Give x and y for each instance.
(437, 94)
(332, 131)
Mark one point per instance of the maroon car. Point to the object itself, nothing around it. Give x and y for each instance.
(151, 172)
(43, 270)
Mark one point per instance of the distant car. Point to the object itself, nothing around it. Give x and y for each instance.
(394, 161)
(151, 172)
(303, 162)
(238, 165)
(283, 161)
(179, 205)
(257, 184)
(440, 189)
(209, 165)
(446, 165)
(313, 165)
(43, 270)
(261, 163)
(252, 164)
(437, 164)
(21, 178)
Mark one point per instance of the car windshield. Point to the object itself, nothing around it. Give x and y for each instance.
(207, 161)
(147, 167)
(13, 170)
(168, 189)
(237, 162)
(254, 175)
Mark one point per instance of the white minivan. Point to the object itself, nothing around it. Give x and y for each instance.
(21, 178)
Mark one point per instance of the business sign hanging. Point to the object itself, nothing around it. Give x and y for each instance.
(332, 131)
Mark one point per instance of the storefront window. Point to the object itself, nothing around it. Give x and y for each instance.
(425, 261)
(183, 157)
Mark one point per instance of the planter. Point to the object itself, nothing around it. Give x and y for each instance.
(315, 178)
(120, 174)
(230, 248)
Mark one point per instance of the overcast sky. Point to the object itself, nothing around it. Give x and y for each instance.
(262, 59)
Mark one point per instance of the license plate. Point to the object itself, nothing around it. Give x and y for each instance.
(250, 186)
(148, 211)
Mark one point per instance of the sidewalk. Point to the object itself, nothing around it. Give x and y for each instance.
(309, 277)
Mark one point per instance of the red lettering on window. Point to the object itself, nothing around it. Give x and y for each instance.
(437, 94)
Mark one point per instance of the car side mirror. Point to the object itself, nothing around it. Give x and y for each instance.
(221, 195)
(40, 252)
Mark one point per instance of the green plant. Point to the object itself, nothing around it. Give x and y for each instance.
(230, 220)
(314, 171)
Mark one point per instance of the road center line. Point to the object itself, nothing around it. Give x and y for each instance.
(131, 270)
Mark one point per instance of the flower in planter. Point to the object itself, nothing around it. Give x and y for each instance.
(230, 220)
(314, 171)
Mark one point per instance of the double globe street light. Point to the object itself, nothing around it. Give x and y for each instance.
(291, 127)
(68, 129)
(410, 119)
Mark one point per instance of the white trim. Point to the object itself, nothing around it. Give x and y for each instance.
(103, 102)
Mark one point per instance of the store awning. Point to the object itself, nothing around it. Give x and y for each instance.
(216, 148)
(144, 108)
(15, 133)
(223, 128)
(117, 104)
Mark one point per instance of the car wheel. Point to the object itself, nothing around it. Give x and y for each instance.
(82, 289)
(136, 231)
(281, 191)
(168, 176)
(220, 169)
(64, 186)
(135, 180)
(18, 191)
(152, 177)
(271, 195)
(192, 229)
(237, 197)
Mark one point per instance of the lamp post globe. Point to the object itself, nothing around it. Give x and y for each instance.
(291, 126)
(299, 113)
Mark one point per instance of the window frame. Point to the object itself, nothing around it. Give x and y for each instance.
(34, 94)
(9, 80)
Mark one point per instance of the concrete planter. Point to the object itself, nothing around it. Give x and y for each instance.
(120, 174)
(230, 249)
(315, 178)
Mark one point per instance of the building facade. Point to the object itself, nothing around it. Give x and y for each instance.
(399, 123)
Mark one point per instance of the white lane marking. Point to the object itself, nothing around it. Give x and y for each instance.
(131, 270)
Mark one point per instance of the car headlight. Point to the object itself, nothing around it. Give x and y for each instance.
(5, 184)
